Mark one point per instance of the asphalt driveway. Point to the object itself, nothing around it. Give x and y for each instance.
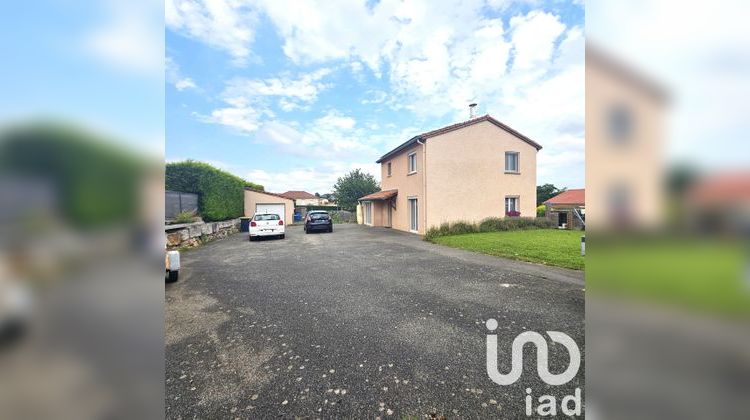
(360, 323)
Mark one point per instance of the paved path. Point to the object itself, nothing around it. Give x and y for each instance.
(360, 323)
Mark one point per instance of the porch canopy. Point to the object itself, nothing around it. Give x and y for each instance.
(380, 195)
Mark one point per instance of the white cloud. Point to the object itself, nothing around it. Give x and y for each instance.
(223, 24)
(129, 38)
(241, 118)
(248, 99)
(320, 178)
(175, 76)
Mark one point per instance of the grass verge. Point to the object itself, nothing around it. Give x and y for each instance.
(561, 248)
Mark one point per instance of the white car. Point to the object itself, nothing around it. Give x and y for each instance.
(266, 224)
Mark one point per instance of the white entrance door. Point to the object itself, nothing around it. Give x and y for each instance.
(413, 215)
(271, 208)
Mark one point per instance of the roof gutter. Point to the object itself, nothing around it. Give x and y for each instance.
(424, 183)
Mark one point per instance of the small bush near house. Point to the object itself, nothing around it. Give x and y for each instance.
(184, 217)
(490, 224)
(541, 210)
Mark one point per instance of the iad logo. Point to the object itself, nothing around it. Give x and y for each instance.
(548, 403)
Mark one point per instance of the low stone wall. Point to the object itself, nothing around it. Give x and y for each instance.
(193, 234)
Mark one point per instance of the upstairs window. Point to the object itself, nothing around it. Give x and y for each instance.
(620, 123)
(412, 162)
(511, 162)
(389, 168)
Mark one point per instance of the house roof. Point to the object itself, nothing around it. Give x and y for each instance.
(439, 131)
(380, 195)
(268, 193)
(723, 188)
(297, 195)
(569, 197)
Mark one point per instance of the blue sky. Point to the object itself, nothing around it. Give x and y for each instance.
(294, 97)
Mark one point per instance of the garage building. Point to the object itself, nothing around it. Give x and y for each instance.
(266, 202)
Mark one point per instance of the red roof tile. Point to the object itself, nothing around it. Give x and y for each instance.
(722, 188)
(380, 195)
(569, 197)
(297, 195)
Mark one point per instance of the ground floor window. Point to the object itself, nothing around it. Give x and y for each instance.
(511, 206)
(413, 215)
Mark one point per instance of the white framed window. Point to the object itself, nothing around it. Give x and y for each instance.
(511, 162)
(511, 206)
(412, 162)
(388, 165)
(413, 215)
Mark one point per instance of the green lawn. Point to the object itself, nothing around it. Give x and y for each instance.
(696, 274)
(560, 248)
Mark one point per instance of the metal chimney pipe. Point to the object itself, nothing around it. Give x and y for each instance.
(472, 112)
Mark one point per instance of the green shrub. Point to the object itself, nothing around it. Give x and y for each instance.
(541, 210)
(490, 224)
(544, 223)
(184, 217)
(460, 228)
(221, 195)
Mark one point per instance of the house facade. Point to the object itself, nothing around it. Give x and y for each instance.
(464, 172)
(625, 138)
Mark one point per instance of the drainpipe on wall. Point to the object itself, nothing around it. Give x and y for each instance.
(424, 184)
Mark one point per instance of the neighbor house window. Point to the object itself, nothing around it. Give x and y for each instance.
(511, 207)
(412, 162)
(511, 162)
(389, 168)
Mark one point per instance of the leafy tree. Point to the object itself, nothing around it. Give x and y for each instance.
(350, 187)
(546, 191)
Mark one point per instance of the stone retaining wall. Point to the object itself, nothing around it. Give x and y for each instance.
(193, 234)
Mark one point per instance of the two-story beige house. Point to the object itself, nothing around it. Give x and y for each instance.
(463, 172)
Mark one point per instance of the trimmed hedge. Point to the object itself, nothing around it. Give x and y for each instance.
(490, 224)
(221, 195)
(95, 182)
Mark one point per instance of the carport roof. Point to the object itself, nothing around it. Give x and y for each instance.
(577, 196)
(380, 195)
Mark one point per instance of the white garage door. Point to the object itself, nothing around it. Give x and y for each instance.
(271, 208)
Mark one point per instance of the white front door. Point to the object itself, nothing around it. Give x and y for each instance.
(413, 215)
(272, 209)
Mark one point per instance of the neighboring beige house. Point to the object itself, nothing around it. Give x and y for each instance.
(463, 172)
(266, 202)
(302, 198)
(625, 136)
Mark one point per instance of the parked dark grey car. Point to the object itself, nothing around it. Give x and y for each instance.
(318, 220)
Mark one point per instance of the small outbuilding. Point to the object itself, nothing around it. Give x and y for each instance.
(567, 209)
(265, 202)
